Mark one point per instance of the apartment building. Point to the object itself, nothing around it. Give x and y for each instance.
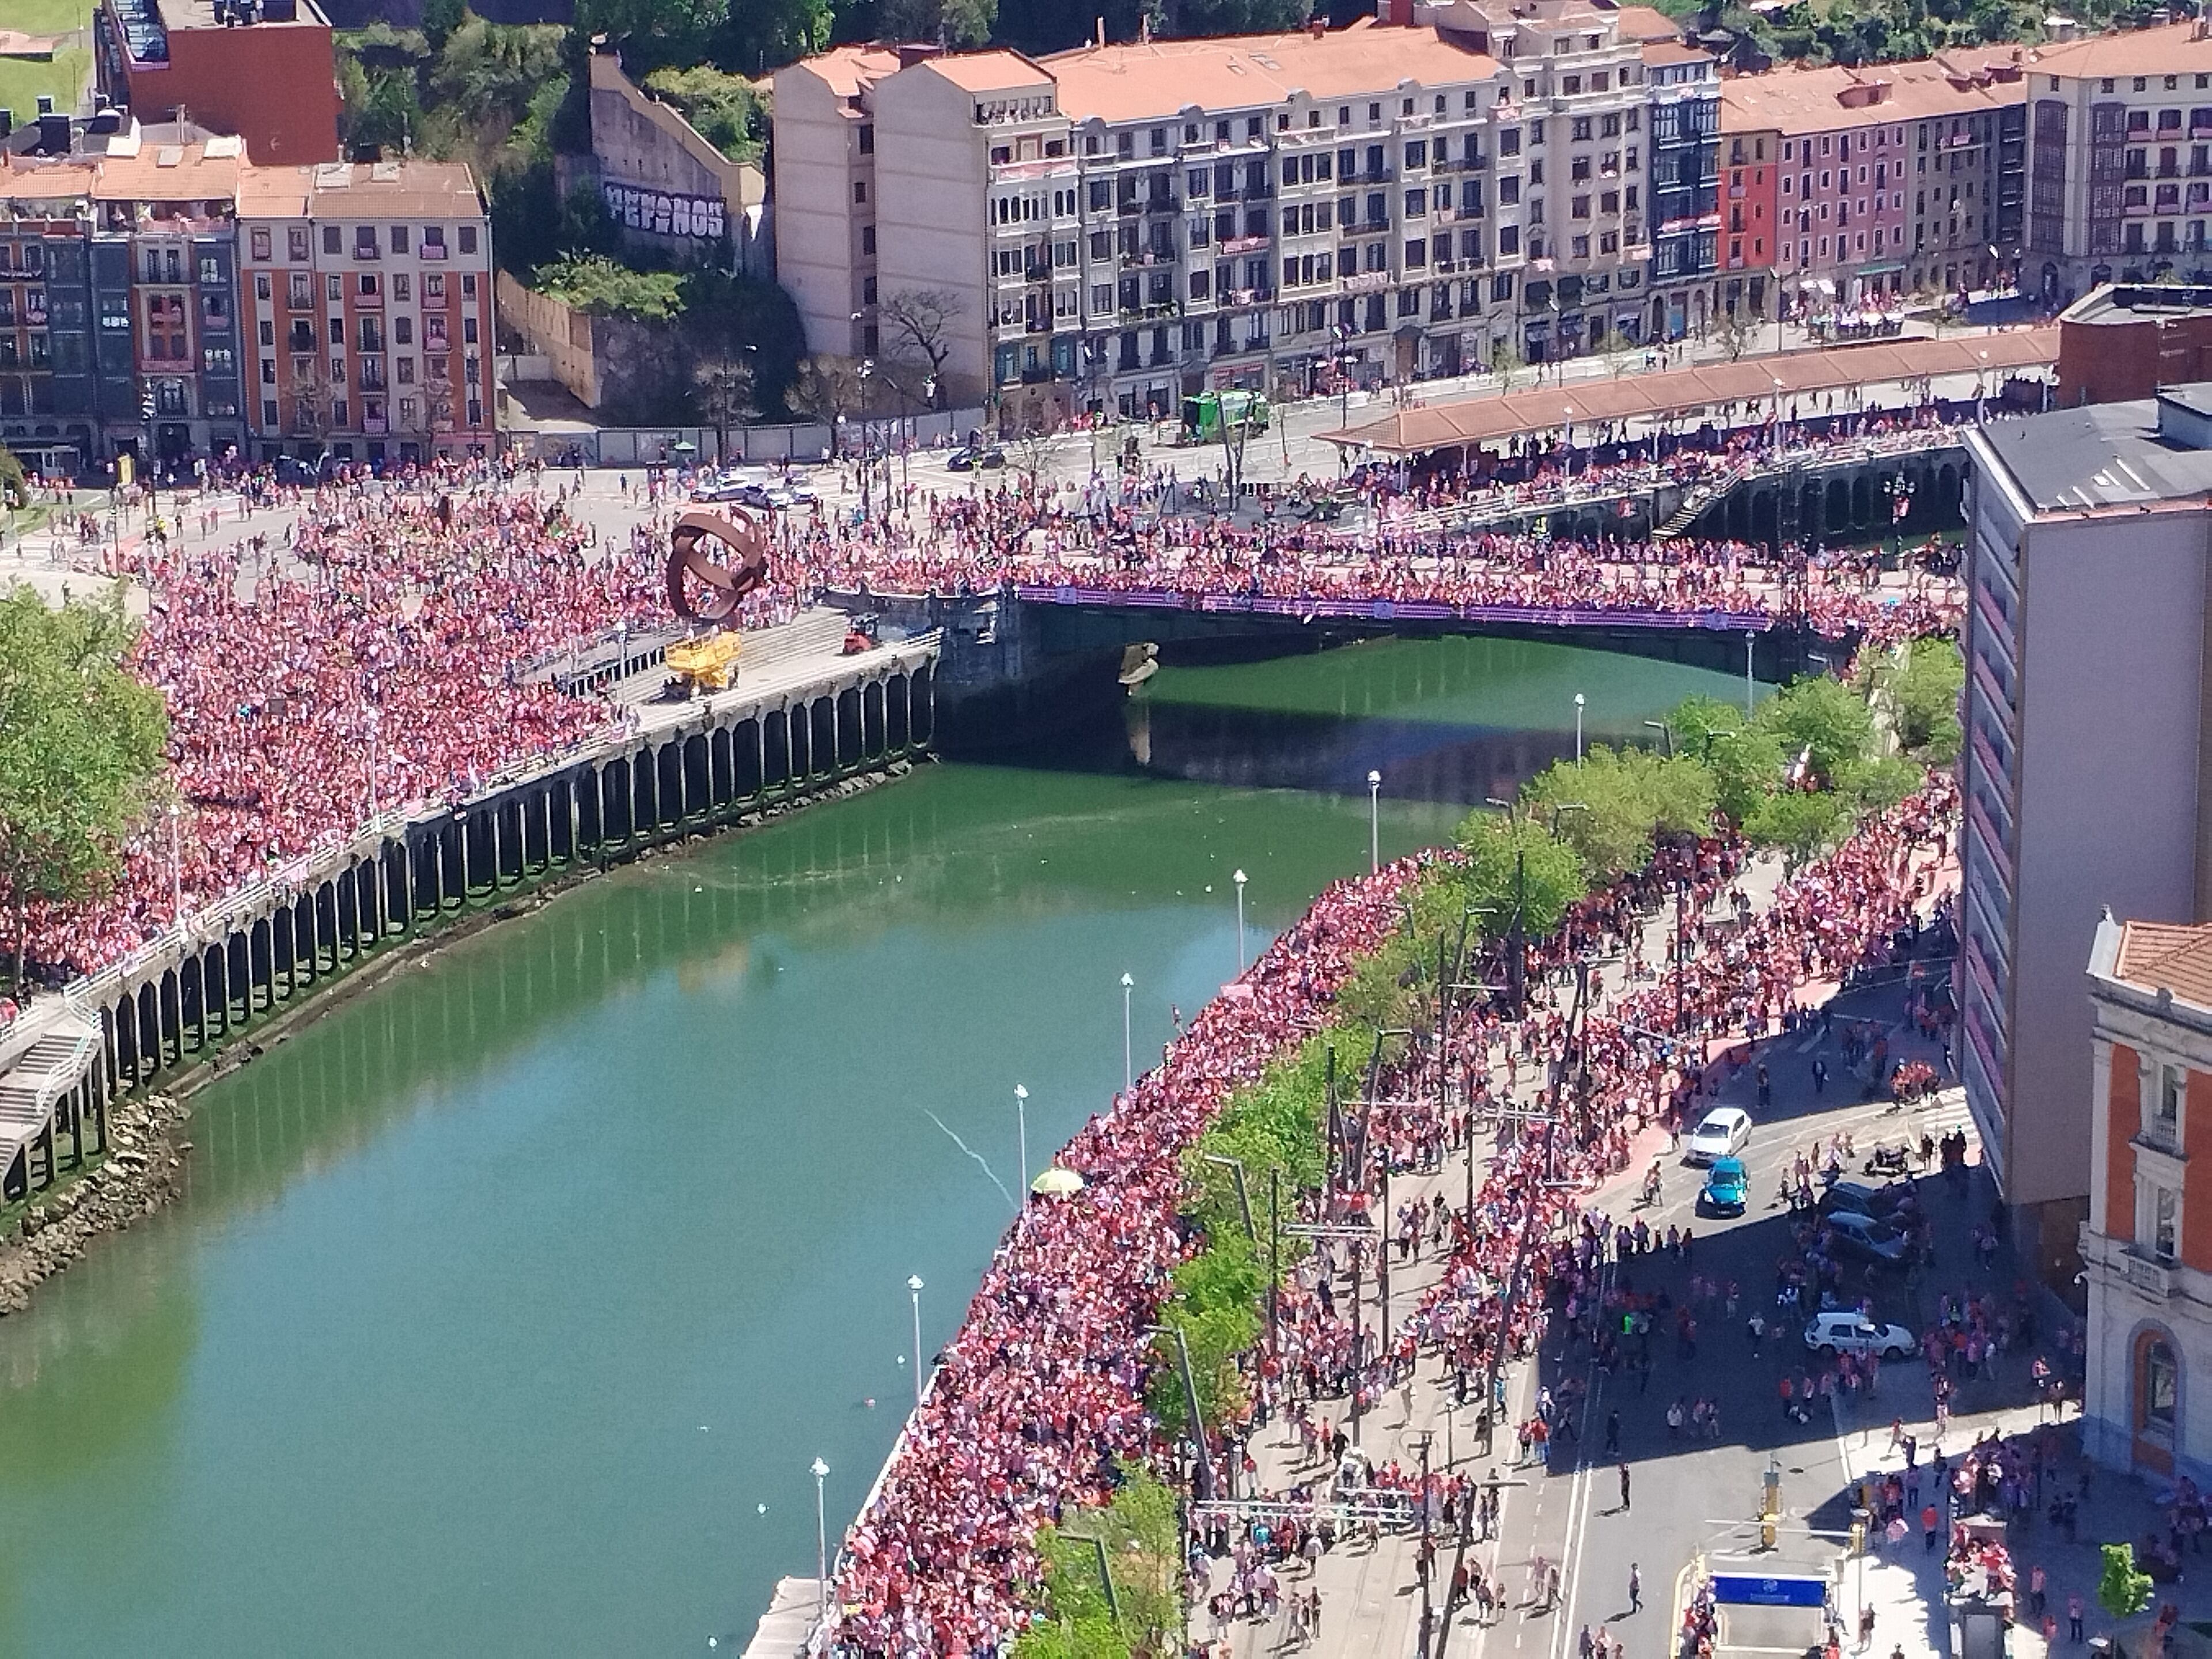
(1751, 184)
(173, 301)
(1117, 227)
(46, 398)
(1683, 81)
(370, 304)
(2120, 158)
(1969, 168)
(164, 258)
(2147, 1246)
(2084, 771)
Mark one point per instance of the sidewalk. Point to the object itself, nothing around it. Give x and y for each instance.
(1371, 1600)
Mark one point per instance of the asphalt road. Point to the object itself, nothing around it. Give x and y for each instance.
(1692, 1498)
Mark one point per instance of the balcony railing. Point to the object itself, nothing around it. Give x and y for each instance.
(1241, 244)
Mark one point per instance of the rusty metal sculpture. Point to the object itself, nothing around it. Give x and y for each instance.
(725, 584)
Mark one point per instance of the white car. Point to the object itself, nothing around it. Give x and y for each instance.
(1722, 1135)
(1845, 1332)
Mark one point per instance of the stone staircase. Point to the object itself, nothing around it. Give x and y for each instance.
(1696, 499)
(53, 1061)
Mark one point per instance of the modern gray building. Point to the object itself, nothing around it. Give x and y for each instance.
(2087, 759)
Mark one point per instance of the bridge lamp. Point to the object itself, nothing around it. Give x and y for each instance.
(1579, 701)
(1374, 821)
(1239, 879)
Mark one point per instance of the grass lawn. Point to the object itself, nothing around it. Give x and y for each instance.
(46, 16)
(23, 80)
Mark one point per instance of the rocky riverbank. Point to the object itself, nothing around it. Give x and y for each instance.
(141, 1171)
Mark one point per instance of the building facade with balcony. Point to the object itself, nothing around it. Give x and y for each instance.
(2119, 160)
(2086, 718)
(173, 301)
(1749, 190)
(164, 260)
(369, 301)
(1685, 86)
(47, 401)
(2147, 1245)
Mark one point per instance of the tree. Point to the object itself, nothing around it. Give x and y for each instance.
(82, 745)
(1738, 331)
(1824, 720)
(954, 22)
(920, 322)
(653, 33)
(1142, 1535)
(2122, 1591)
(1924, 693)
(1506, 362)
(724, 389)
(1609, 806)
(15, 484)
(825, 388)
(1511, 857)
(725, 109)
(441, 18)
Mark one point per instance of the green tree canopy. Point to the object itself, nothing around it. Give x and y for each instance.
(727, 109)
(1821, 718)
(81, 750)
(1926, 695)
(653, 33)
(2122, 1591)
(1610, 806)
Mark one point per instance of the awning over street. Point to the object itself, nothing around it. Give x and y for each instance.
(1679, 392)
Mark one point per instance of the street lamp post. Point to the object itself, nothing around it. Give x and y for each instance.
(176, 865)
(1129, 1055)
(1021, 1127)
(1750, 686)
(914, 1290)
(867, 461)
(1578, 728)
(821, 1542)
(1374, 821)
(1239, 879)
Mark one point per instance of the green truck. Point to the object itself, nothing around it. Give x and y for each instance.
(1204, 414)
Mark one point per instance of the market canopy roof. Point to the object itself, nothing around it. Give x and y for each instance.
(1480, 419)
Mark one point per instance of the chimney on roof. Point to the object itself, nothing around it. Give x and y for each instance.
(1143, 28)
(1317, 26)
(1098, 30)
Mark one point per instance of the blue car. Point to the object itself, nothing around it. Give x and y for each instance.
(1727, 1188)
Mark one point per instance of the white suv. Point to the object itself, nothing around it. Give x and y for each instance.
(1844, 1332)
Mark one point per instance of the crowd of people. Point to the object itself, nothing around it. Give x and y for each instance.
(1042, 1389)
(370, 658)
(400, 643)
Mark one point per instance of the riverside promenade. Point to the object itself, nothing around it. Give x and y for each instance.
(803, 718)
(939, 1482)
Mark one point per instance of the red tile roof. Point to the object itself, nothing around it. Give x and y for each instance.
(2156, 955)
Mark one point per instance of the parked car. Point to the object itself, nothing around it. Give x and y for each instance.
(1868, 1240)
(1880, 1202)
(1844, 1331)
(1727, 1189)
(1722, 1135)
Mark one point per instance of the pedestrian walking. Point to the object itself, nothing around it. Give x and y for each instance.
(1635, 1588)
(1612, 1434)
(1624, 1488)
(2073, 1617)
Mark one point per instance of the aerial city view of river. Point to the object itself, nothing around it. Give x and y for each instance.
(510, 1301)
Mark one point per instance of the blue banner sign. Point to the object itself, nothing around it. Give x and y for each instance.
(1744, 1590)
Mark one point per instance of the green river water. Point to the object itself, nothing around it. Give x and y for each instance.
(509, 1302)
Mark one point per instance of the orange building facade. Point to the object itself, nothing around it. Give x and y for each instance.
(2147, 1247)
(367, 289)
